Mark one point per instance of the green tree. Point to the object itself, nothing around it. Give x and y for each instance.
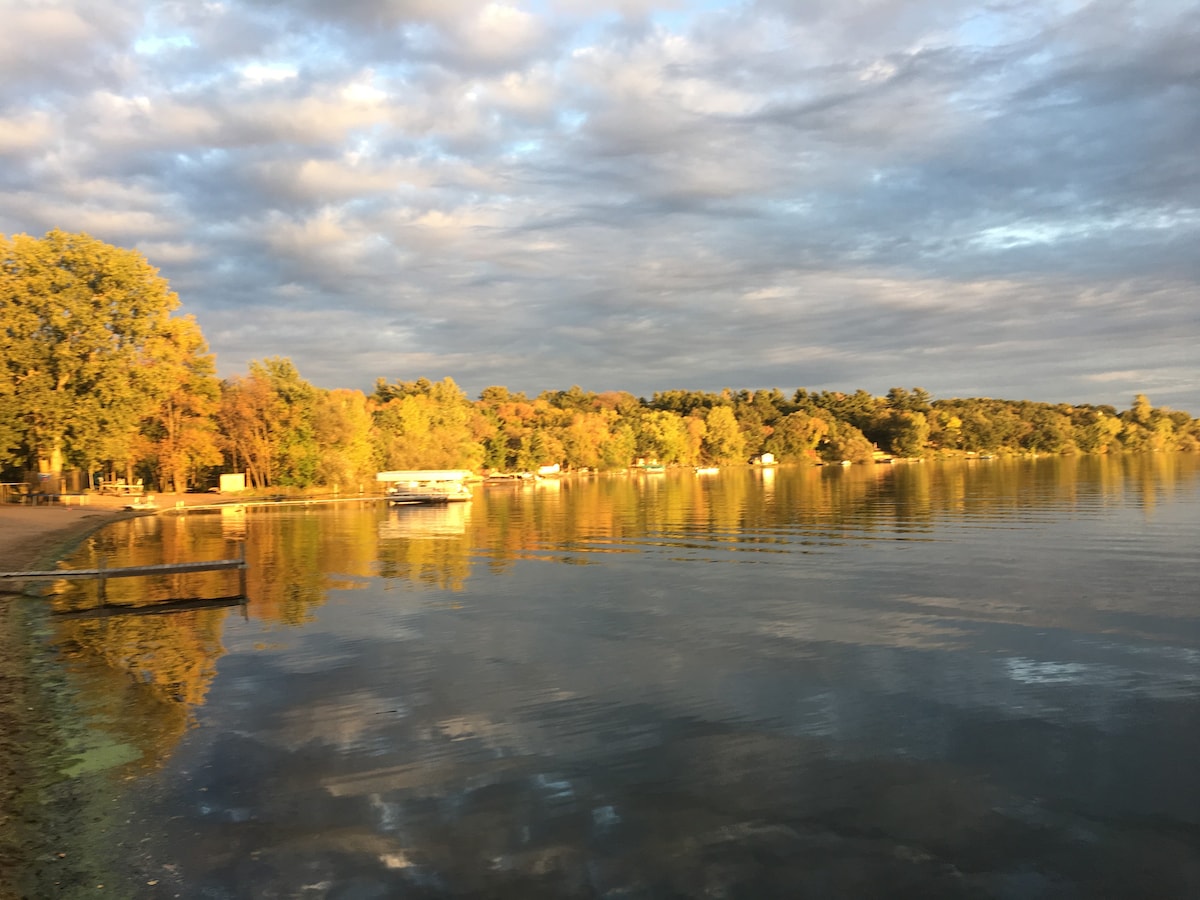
(859, 409)
(620, 448)
(78, 322)
(796, 437)
(723, 440)
(576, 399)
(538, 448)
(904, 433)
(1095, 432)
(296, 449)
(843, 441)
(916, 400)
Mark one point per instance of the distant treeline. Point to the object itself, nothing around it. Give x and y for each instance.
(96, 374)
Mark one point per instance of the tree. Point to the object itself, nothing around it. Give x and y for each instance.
(245, 415)
(180, 431)
(1050, 430)
(723, 441)
(537, 449)
(662, 436)
(1095, 432)
(576, 399)
(796, 437)
(268, 421)
(297, 454)
(620, 448)
(427, 425)
(345, 433)
(78, 321)
(585, 437)
(843, 441)
(917, 400)
(904, 433)
(858, 409)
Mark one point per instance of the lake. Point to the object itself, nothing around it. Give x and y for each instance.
(960, 680)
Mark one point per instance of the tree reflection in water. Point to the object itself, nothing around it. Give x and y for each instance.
(874, 681)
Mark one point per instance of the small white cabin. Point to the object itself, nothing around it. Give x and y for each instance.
(232, 483)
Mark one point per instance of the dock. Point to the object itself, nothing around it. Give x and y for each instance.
(103, 574)
(272, 502)
(128, 571)
(158, 608)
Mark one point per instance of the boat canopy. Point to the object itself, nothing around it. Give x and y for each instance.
(423, 475)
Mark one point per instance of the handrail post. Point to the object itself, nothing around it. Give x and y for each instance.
(242, 567)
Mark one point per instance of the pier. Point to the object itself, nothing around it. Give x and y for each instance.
(271, 502)
(104, 574)
(128, 571)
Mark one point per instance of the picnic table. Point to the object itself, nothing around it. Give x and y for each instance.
(14, 492)
(122, 488)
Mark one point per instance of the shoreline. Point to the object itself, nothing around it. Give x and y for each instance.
(38, 807)
(52, 827)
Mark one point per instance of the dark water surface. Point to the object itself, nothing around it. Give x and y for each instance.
(940, 680)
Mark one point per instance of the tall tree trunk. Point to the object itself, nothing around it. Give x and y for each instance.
(50, 466)
(51, 463)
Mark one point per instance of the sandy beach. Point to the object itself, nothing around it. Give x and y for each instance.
(29, 534)
(33, 536)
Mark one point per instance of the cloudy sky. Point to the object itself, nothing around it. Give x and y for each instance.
(997, 199)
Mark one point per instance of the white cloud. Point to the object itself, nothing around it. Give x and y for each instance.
(502, 29)
(28, 132)
(31, 30)
(255, 74)
(750, 194)
(170, 253)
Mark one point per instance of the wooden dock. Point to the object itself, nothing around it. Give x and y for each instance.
(103, 574)
(128, 571)
(157, 608)
(180, 507)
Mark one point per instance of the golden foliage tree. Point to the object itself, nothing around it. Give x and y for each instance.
(345, 433)
(79, 324)
(181, 433)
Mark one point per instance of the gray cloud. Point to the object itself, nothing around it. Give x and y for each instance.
(1000, 200)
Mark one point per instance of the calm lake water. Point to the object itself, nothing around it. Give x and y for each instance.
(948, 680)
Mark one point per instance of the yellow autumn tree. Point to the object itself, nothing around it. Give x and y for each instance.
(80, 321)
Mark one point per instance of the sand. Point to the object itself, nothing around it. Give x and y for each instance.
(29, 535)
(35, 536)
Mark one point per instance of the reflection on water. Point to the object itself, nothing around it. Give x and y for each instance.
(958, 680)
(443, 520)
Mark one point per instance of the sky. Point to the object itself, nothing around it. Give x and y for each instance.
(998, 199)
